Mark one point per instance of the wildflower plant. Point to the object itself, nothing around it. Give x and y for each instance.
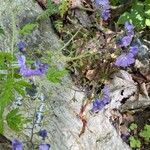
(91, 57)
(17, 70)
(126, 42)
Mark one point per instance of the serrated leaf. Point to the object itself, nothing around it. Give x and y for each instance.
(54, 75)
(28, 28)
(6, 94)
(5, 59)
(52, 8)
(20, 86)
(15, 120)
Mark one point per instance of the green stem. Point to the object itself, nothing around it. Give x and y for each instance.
(13, 41)
(86, 54)
(66, 44)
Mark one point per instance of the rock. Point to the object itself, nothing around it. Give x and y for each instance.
(60, 117)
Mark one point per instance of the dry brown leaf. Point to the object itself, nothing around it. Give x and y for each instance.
(90, 74)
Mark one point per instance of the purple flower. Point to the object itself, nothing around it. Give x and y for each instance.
(17, 145)
(27, 72)
(44, 147)
(105, 14)
(134, 49)
(104, 8)
(21, 61)
(98, 104)
(125, 60)
(126, 41)
(103, 3)
(21, 46)
(43, 133)
(129, 27)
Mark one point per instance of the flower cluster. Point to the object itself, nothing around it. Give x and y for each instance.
(27, 72)
(17, 145)
(105, 8)
(98, 104)
(126, 59)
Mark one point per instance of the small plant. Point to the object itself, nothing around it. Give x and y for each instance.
(146, 133)
(134, 142)
(133, 126)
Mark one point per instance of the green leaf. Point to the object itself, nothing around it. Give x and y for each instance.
(146, 132)
(28, 28)
(136, 16)
(20, 86)
(15, 120)
(6, 95)
(133, 126)
(55, 75)
(147, 22)
(52, 8)
(147, 2)
(5, 60)
(147, 13)
(134, 143)
(138, 7)
(123, 18)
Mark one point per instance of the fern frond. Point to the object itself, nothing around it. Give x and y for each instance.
(15, 120)
(64, 7)
(28, 28)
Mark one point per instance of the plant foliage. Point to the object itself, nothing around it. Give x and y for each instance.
(51, 9)
(54, 75)
(146, 132)
(28, 28)
(64, 6)
(134, 143)
(15, 120)
(139, 15)
(10, 84)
